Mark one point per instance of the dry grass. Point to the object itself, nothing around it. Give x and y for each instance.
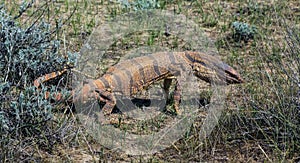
(261, 122)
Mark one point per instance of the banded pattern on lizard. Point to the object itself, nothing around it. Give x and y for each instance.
(131, 76)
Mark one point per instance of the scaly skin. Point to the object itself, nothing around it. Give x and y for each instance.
(131, 76)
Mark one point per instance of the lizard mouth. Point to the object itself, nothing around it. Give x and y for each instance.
(232, 76)
(210, 69)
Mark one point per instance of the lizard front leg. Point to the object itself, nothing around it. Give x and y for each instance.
(177, 97)
(177, 93)
(177, 70)
(166, 87)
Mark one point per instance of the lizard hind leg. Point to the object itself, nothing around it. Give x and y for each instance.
(109, 99)
(104, 116)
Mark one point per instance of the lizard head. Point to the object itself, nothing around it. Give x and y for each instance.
(211, 69)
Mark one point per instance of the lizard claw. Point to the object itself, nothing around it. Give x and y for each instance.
(107, 119)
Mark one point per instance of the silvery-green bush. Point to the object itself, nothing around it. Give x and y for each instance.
(26, 52)
(243, 31)
(139, 4)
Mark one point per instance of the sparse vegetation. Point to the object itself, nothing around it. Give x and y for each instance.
(263, 116)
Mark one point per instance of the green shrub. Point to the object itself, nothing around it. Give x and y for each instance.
(139, 4)
(243, 31)
(26, 52)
